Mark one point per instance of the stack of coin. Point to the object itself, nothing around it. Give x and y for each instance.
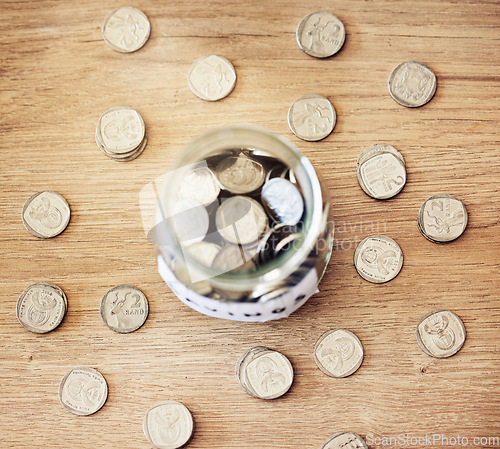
(168, 425)
(121, 134)
(264, 373)
(442, 218)
(381, 171)
(41, 307)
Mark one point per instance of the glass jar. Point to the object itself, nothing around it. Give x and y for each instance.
(244, 290)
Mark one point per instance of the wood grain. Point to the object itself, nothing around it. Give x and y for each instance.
(58, 76)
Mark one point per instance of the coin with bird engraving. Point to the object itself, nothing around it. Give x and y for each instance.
(312, 117)
(211, 77)
(126, 29)
(412, 84)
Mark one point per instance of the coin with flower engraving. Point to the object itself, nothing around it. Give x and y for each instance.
(41, 307)
(126, 29)
(378, 259)
(83, 391)
(320, 34)
(381, 171)
(412, 84)
(338, 353)
(240, 174)
(211, 77)
(312, 117)
(344, 440)
(264, 373)
(124, 308)
(241, 220)
(442, 218)
(168, 425)
(46, 214)
(441, 333)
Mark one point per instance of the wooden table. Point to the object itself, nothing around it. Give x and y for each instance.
(58, 77)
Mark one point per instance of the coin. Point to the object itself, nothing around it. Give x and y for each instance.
(200, 185)
(442, 218)
(124, 309)
(240, 220)
(441, 333)
(312, 117)
(233, 257)
(240, 174)
(190, 221)
(168, 425)
(344, 440)
(121, 134)
(381, 172)
(211, 77)
(204, 252)
(283, 201)
(274, 241)
(41, 307)
(83, 391)
(46, 214)
(412, 84)
(320, 34)
(126, 29)
(338, 353)
(264, 373)
(378, 259)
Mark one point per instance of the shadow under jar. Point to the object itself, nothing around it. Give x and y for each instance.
(243, 228)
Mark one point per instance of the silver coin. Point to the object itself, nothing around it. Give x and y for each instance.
(381, 175)
(124, 157)
(441, 333)
(120, 131)
(378, 148)
(46, 214)
(283, 201)
(378, 259)
(442, 218)
(264, 373)
(240, 174)
(41, 307)
(312, 117)
(344, 440)
(412, 84)
(273, 242)
(338, 353)
(190, 221)
(204, 252)
(320, 34)
(126, 29)
(168, 425)
(234, 257)
(211, 77)
(83, 391)
(124, 309)
(241, 220)
(200, 185)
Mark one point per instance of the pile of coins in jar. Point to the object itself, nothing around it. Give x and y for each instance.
(260, 198)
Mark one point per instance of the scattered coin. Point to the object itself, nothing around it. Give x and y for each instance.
(283, 201)
(41, 307)
(412, 84)
(211, 77)
(126, 29)
(312, 117)
(344, 440)
(168, 425)
(338, 353)
(264, 373)
(121, 134)
(83, 391)
(442, 218)
(441, 333)
(46, 214)
(200, 185)
(124, 309)
(240, 174)
(381, 171)
(378, 259)
(320, 34)
(241, 220)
